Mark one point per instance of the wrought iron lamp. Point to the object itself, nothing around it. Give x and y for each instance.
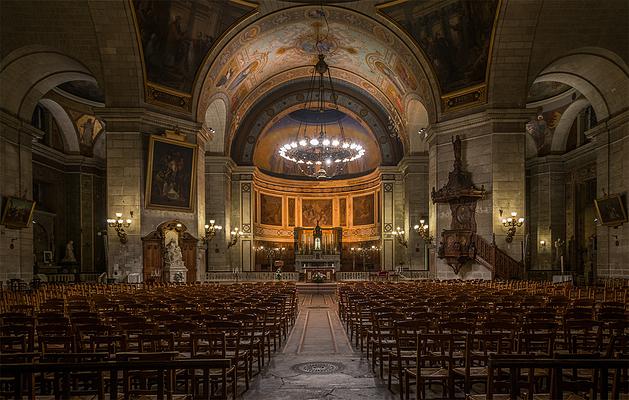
(512, 224)
(400, 236)
(234, 236)
(423, 232)
(120, 225)
(210, 231)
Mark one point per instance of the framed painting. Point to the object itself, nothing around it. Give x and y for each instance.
(363, 207)
(17, 212)
(270, 210)
(610, 210)
(316, 210)
(171, 174)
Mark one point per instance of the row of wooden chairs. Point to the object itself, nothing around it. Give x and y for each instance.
(199, 323)
(443, 332)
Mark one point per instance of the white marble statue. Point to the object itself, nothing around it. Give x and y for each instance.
(173, 262)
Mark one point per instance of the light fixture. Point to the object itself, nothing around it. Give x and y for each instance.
(511, 223)
(120, 225)
(400, 236)
(543, 244)
(234, 236)
(316, 153)
(423, 232)
(210, 231)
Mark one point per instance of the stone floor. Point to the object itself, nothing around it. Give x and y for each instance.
(318, 361)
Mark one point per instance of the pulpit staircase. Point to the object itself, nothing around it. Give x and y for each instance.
(501, 265)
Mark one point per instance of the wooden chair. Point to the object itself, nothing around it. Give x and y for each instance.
(433, 365)
(213, 346)
(404, 353)
(141, 382)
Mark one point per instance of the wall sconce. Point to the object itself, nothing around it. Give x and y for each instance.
(401, 238)
(511, 223)
(423, 232)
(120, 225)
(210, 231)
(234, 236)
(543, 244)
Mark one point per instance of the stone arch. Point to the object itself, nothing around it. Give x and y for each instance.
(599, 74)
(29, 72)
(562, 131)
(216, 118)
(417, 119)
(68, 131)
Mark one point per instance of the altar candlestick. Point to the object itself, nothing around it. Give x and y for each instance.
(561, 259)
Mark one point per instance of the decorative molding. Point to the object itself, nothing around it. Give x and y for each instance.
(388, 227)
(388, 187)
(465, 98)
(169, 98)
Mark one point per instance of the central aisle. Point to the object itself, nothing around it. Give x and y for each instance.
(317, 361)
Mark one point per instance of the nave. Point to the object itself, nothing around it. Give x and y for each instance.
(380, 340)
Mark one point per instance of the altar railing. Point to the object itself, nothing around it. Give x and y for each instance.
(416, 275)
(352, 276)
(248, 276)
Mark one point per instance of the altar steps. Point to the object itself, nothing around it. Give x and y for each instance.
(311, 287)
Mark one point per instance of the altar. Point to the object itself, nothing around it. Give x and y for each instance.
(318, 250)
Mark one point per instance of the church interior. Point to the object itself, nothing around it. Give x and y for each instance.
(270, 199)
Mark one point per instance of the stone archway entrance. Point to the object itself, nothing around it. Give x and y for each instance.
(154, 251)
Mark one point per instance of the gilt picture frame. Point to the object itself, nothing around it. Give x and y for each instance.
(611, 210)
(171, 174)
(17, 213)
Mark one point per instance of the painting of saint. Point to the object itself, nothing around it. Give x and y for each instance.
(611, 210)
(313, 210)
(363, 210)
(343, 212)
(177, 35)
(270, 210)
(171, 174)
(456, 37)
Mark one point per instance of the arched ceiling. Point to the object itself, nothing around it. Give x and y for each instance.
(280, 48)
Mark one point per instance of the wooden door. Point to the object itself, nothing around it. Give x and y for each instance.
(188, 246)
(152, 251)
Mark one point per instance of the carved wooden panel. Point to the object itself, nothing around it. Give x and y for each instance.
(152, 258)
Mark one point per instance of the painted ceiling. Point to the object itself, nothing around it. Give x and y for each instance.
(285, 129)
(456, 36)
(176, 36)
(278, 46)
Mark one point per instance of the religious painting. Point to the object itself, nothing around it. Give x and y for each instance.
(17, 212)
(542, 128)
(89, 127)
(291, 212)
(177, 35)
(270, 210)
(363, 210)
(316, 210)
(456, 37)
(610, 210)
(343, 212)
(170, 174)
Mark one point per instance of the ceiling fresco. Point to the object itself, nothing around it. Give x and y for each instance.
(176, 36)
(280, 46)
(285, 128)
(456, 36)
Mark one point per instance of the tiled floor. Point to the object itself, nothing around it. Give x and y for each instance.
(318, 337)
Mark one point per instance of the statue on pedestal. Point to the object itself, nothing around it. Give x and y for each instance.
(173, 262)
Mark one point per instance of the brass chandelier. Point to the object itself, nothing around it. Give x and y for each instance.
(316, 153)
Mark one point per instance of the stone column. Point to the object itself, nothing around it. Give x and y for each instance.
(242, 254)
(493, 151)
(16, 179)
(125, 165)
(392, 216)
(415, 174)
(218, 182)
(611, 139)
(546, 210)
